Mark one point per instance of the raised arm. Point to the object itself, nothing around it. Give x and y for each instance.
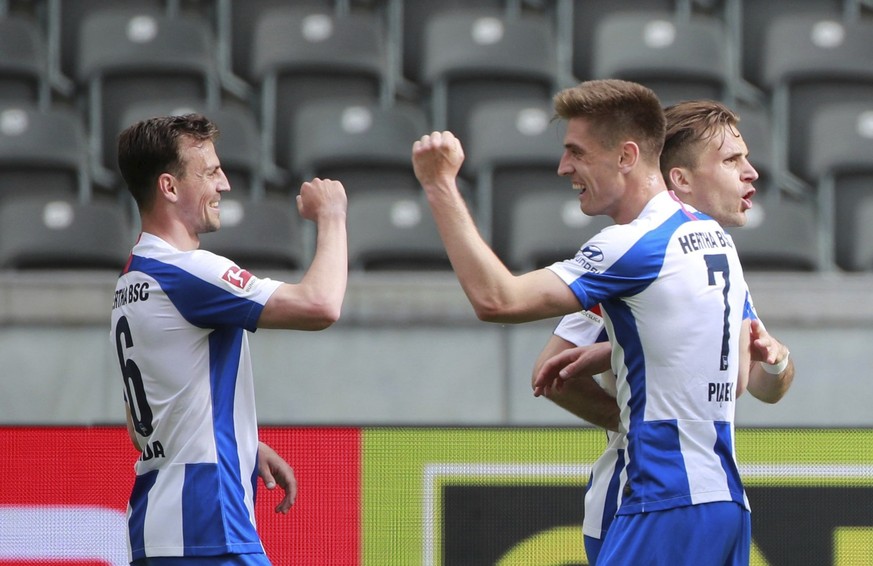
(496, 294)
(316, 301)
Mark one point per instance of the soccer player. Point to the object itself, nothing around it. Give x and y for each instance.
(180, 324)
(705, 162)
(673, 296)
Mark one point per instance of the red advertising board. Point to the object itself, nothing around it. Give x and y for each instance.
(64, 491)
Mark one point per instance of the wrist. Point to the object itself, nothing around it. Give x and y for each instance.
(778, 367)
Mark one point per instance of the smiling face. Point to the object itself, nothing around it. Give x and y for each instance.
(720, 182)
(200, 186)
(594, 170)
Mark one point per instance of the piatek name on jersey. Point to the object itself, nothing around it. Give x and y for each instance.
(131, 294)
(721, 392)
(697, 241)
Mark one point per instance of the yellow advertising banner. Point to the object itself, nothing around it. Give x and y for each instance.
(514, 496)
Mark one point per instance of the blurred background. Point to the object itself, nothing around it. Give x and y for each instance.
(341, 88)
(409, 379)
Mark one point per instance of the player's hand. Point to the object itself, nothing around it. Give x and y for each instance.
(573, 363)
(765, 348)
(437, 158)
(276, 471)
(321, 197)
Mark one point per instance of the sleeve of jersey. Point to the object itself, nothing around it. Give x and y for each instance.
(210, 291)
(749, 311)
(618, 262)
(581, 328)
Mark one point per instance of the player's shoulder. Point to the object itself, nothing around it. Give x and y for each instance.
(158, 258)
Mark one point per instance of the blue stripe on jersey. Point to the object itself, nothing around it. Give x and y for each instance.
(203, 501)
(201, 303)
(658, 469)
(724, 447)
(139, 503)
(749, 309)
(610, 505)
(628, 337)
(224, 354)
(201, 504)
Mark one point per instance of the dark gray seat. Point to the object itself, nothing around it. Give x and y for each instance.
(781, 235)
(304, 53)
(24, 70)
(368, 147)
(263, 234)
(43, 152)
(840, 159)
(678, 58)
(48, 232)
(808, 61)
(473, 57)
(393, 229)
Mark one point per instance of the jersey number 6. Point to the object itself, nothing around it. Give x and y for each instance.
(139, 407)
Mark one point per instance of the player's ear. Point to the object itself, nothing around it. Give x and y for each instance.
(629, 155)
(678, 180)
(167, 188)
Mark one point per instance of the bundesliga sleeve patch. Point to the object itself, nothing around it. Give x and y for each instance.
(237, 276)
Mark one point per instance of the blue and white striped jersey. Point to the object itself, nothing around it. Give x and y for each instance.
(603, 494)
(179, 326)
(673, 297)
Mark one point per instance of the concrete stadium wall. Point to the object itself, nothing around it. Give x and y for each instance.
(409, 351)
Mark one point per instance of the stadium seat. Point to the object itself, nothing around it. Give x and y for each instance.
(393, 229)
(547, 225)
(414, 20)
(301, 54)
(752, 24)
(364, 144)
(24, 71)
(63, 25)
(840, 157)
(810, 61)
(43, 152)
(263, 234)
(235, 26)
(473, 57)
(513, 148)
(585, 20)
(780, 235)
(368, 147)
(48, 232)
(128, 56)
(238, 144)
(678, 58)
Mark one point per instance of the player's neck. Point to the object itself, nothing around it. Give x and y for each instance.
(171, 231)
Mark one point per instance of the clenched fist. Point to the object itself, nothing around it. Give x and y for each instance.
(437, 158)
(321, 197)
